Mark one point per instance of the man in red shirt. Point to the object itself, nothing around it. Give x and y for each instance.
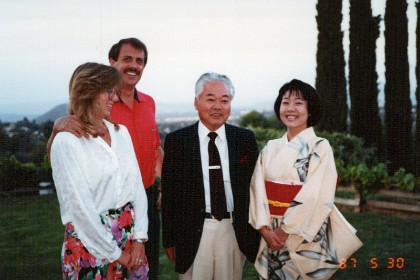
(136, 111)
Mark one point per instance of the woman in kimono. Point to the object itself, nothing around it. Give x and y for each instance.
(103, 204)
(292, 192)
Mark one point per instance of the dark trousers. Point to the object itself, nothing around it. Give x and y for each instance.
(152, 245)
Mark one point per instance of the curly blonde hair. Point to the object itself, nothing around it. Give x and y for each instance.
(87, 82)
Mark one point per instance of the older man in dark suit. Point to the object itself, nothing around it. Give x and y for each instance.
(206, 173)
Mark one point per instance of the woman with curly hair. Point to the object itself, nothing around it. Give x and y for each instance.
(103, 204)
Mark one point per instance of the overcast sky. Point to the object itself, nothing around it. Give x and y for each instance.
(260, 45)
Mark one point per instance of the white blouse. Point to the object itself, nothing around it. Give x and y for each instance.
(92, 177)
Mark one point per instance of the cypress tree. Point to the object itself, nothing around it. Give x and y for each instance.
(398, 119)
(330, 72)
(364, 112)
(417, 151)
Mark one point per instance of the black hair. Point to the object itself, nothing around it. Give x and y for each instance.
(114, 52)
(308, 93)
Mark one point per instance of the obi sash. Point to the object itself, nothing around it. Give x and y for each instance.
(280, 196)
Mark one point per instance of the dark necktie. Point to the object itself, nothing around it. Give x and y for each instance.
(217, 188)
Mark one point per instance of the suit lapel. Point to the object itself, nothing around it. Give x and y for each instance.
(195, 150)
(233, 154)
(194, 156)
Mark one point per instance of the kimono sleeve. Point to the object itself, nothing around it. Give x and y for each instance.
(259, 213)
(315, 201)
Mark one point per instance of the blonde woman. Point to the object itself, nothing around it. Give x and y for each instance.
(103, 204)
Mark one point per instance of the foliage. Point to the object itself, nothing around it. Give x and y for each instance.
(356, 164)
(330, 64)
(4, 141)
(417, 133)
(257, 119)
(344, 194)
(23, 160)
(38, 153)
(368, 180)
(274, 122)
(398, 115)
(254, 119)
(349, 149)
(14, 174)
(25, 140)
(363, 88)
(263, 135)
(404, 180)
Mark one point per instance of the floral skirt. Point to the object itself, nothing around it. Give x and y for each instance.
(78, 263)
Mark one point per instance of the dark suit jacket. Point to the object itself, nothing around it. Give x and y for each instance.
(183, 201)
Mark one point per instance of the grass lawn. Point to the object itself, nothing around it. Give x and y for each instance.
(31, 236)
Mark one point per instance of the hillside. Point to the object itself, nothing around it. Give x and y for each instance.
(53, 114)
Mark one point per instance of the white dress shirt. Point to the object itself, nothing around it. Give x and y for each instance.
(222, 146)
(92, 177)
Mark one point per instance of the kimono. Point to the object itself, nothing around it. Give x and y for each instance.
(306, 161)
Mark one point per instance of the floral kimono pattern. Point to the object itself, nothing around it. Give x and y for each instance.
(79, 263)
(307, 160)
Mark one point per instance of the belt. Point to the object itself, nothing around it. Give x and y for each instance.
(210, 216)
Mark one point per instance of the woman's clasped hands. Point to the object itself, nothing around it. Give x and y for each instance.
(134, 257)
(275, 238)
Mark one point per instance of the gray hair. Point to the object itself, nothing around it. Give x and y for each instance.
(213, 77)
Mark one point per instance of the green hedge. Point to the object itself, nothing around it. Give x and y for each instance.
(357, 165)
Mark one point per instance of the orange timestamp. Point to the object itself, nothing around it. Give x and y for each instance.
(390, 263)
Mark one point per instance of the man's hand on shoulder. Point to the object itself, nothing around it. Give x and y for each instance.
(70, 124)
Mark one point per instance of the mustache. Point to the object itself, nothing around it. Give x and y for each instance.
(132, 70)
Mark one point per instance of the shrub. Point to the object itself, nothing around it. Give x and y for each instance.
(14, 174)
(368, 180)
(253, 119)
(264, 134)
(356, 164)
(349, 149)
(403, 180)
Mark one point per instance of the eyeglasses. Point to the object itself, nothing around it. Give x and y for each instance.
(113, 92)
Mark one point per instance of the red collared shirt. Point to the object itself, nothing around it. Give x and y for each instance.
(141, 124)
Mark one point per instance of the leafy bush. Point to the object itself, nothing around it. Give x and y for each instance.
(264, 134)
(349, 149)
(253, 119)
(369, 180)
(403, 180)
(257, 119)
(356, 164)
(14, 174)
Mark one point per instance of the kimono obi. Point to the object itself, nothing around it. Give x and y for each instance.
(280, 196)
